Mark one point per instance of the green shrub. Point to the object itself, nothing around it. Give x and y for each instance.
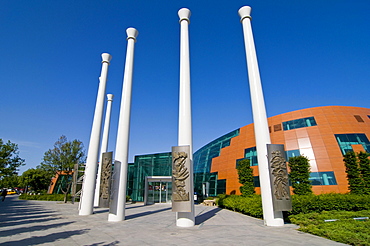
(45, 197)
(249, 205)
(344, 230)
(328, 202)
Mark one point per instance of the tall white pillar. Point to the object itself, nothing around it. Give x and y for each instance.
(117, 209)
(104, 147)
(271, 217)
(185, 219)
(88, 187)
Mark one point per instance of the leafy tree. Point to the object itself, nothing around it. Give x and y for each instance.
(245, 173)
(9, 159)
(364, 164)
(300, 174)
(355, 184)
(36, 178)
(62, 158)
(358, 172)
(10, 181)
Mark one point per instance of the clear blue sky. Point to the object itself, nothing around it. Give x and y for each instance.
(310, 53)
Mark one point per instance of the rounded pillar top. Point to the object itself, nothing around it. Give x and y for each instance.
(184, 14)
(132, 33)
(106, 57)
(110, 97)
(245, 12)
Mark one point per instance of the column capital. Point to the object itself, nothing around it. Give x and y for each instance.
(110, 97)
(245, 12)
(184, 14)
(106, 58)
(132, 33)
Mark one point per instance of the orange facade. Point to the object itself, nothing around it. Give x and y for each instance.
(318, 143)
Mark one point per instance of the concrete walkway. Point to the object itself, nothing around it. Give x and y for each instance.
(54, 223)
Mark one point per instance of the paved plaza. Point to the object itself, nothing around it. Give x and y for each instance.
(55, 223)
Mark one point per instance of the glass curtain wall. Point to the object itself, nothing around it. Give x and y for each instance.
(147, 165)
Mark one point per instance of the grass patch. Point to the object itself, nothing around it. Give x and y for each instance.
(344, 230)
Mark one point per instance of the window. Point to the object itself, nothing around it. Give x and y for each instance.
(345, 141)
(251, 155)
(359, 118)
(316, 178)
(292, 153)
(299, 123)
(322, 178)
(277, 127)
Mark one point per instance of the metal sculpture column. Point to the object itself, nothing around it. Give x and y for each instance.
(117, 206)
(104, 147)
(185, 219)
(271, 217)
(88, 186)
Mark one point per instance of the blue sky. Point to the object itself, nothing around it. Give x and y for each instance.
(310, 53)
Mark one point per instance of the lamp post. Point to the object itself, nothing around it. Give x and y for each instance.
(185, 219)
(88, 186)
(271, 217)
(104, 146)
(117, 206)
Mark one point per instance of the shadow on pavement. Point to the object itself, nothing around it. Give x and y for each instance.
(45, 239)
(133, 216)
(23, 216)
(206, 216)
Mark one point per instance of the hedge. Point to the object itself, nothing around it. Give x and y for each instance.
(252, 205)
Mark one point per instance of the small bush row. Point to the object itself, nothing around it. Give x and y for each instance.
(252, 205)
(327, 202)
(45, 197)
(249, 205)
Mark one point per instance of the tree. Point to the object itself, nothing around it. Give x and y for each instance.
(299, 175)
(364, 164)
(9, 159)
(62, 158)
(358, 172)
(245, 173)
(36, 178)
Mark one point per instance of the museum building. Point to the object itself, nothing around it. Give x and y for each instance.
(322, 134)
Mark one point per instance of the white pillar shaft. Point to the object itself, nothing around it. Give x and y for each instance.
(104, 147)
(185, 219)
(121, 153)
(88, 188)
(262, 135)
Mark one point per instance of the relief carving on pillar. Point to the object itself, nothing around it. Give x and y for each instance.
(106, 173)
(280, 176)
(180, 173)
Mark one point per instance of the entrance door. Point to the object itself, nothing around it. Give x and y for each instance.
(158, 190)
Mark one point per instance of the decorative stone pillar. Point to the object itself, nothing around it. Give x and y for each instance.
(271, 217)
(88, 186)
(117, 206)
(185, 219)
(104, 147)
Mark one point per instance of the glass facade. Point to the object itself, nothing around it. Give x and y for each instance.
(345, 141)
(251, 155)
(147, 165)
(322, 178)
(316, 178)
(202, 166)
(299, 123)
(292, 153)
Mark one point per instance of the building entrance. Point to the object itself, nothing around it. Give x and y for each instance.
(158, 189)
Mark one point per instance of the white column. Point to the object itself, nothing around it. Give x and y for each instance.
(88, 187)
(271, 217)
(185, 219)
(104, 147)
(117, 210)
